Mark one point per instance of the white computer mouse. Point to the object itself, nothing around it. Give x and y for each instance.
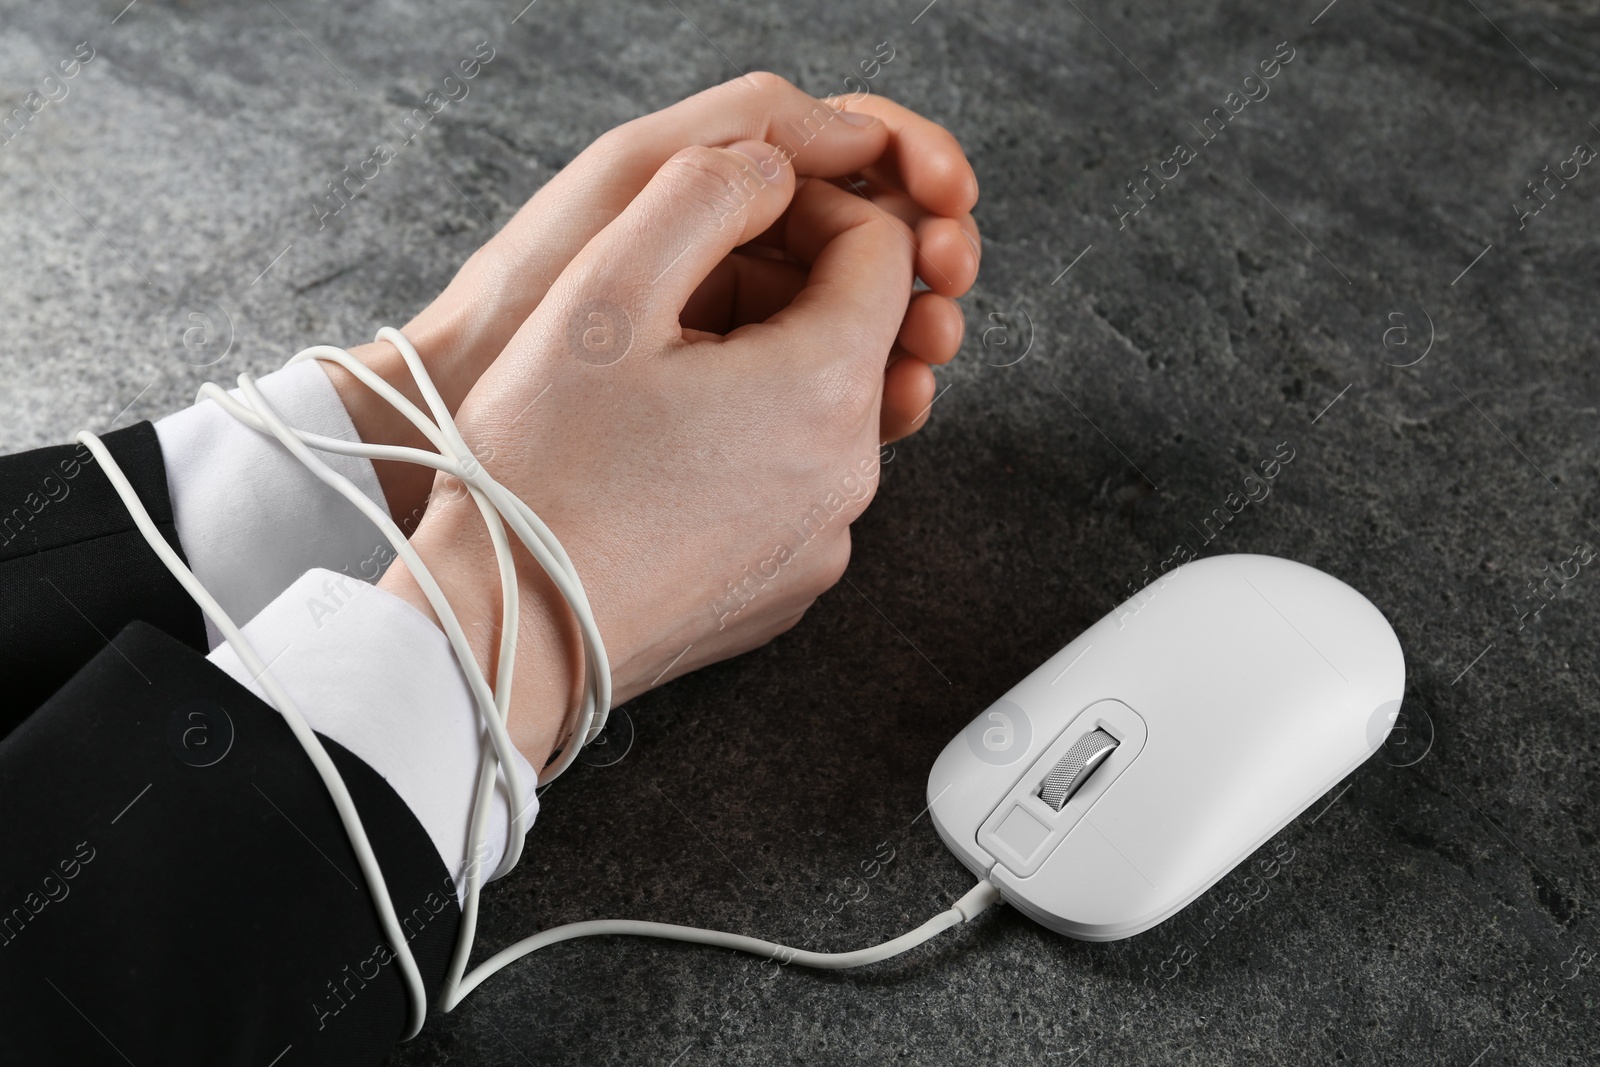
(1169, 741)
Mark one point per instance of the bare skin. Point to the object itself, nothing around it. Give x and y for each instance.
(773, 339)
(908, 166)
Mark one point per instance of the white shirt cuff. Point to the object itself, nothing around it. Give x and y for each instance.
(374, 674)
(251, 519)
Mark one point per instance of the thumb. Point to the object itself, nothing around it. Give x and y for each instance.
(701, 205)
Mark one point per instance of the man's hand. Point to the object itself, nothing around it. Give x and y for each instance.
(911, 168)
(702, 484)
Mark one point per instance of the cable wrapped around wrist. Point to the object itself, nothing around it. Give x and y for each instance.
(500, 508)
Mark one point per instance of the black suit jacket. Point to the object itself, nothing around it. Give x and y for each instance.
(175, 884)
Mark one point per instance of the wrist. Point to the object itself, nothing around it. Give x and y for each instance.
(549, 674)
(405, 485)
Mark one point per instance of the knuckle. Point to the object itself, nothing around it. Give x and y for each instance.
(785, 625)
(835, 561)
(711, 177)
(846, 396)
(861, 488)
(778, 627)
(614, 144)
(764, 80)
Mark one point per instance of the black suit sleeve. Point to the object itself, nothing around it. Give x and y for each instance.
(176, 886)
(73, 567)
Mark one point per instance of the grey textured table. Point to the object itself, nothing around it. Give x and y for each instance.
(1437, 912)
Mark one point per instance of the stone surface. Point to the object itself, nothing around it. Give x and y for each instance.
(1440, 912)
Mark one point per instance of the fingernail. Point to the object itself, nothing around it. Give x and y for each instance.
(973, 241)
(856, 118)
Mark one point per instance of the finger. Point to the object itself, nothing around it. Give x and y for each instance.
(501, 284)
(947, 259)
(899, 203)
(922, 157)
(701, 204)
(908, 391)
(819, 139)
(860, 279)
(745, 289)
(951, 251)
(933, 328)
(947, 248)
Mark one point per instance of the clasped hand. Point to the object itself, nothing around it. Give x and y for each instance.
(684, 353)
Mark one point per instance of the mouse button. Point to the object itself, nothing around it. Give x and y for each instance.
(1202, 797)
(1340, 634)
(975, 772)
(1009, 834)
(1018, 838)
(1086, 889)
(956, 815)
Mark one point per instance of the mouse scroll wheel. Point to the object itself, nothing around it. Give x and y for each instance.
(1075, 767)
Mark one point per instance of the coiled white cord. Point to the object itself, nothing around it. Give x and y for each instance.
(499, 507)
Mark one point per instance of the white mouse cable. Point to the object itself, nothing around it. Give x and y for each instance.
(976, 900)
(457, 988)
(492, 705)
(518, 513)
(264, 418)
(331, 779)
(536, 536)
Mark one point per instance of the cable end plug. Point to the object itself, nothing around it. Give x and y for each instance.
(977, 900)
